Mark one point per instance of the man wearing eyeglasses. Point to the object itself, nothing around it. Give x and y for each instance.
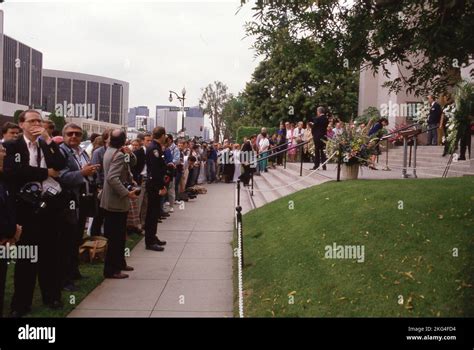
(78, 179)
(35, 158)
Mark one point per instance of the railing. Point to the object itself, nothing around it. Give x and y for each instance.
(240, 251)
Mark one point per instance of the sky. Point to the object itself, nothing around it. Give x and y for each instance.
(156, 46)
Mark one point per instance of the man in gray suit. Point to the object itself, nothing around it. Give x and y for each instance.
(114, 199)
(77, 180)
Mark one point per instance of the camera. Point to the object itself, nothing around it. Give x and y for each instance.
(131, 187)
(31, 194)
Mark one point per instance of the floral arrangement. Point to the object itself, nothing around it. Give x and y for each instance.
(397, 138)
(353, 145)
(459, 114)
(422, 115)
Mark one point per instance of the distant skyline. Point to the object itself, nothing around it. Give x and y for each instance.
(155, 46)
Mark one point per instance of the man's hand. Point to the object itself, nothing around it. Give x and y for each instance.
(88, 170)
(163, 191)
(40, 131)
(18, 233)
(126, 150)
(53, 173)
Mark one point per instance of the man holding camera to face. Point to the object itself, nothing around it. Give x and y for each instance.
(31, 165)
(114, 199)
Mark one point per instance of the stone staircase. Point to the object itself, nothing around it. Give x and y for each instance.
(429, 162)
(280, 182)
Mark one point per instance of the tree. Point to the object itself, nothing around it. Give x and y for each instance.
(432, 39)
(85, 135)
(16, 116)
(295, 78)
(235, 115)
(214, 97)
(59, 122)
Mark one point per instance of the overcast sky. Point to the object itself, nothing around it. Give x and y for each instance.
(156, 46)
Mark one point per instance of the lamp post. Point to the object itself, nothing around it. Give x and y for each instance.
(180, 98)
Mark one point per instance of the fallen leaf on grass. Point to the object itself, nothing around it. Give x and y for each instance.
(408, 274)
(409, 304)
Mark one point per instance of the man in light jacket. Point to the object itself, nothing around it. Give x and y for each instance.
(114, 199)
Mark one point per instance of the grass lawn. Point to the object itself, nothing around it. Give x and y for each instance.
(94, 276)
(409, 269)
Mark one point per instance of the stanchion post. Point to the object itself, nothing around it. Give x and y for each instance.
(301, 161)
(240, 235)
(238, 193)
(339, 160)
(251, 177)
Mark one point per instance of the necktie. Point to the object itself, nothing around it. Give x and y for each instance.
(38, 154)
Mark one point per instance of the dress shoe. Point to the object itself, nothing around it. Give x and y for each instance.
(159, 221)
(117, 275)
(161, 242)
(155, 247)
(314, 168)
(70, 287)
(128, 268)
(165, 215)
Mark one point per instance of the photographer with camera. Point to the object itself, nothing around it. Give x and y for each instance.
(30, 166)
(155, 187)
(114, 199)
(78, 179)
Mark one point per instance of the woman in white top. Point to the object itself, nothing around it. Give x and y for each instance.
(291, 139)
(237, 162)
(263, 152)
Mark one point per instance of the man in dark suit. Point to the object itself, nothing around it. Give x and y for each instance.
(319, 130)
(433, 120)
(9, 230)
(155, 187)
(35, 158)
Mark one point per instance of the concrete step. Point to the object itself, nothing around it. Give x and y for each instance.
(282, 187)
(287, 176)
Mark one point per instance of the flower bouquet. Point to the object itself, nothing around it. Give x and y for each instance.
(422, 115)
(353, 146)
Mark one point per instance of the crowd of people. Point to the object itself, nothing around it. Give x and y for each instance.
(51, 189)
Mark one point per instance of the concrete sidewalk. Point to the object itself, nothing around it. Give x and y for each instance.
(191, 278)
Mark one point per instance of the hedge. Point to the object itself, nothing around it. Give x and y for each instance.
(247, 131)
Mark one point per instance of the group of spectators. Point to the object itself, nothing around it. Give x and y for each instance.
(50, 188)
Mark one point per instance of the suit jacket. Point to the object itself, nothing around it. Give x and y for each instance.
(156, 167)
(17, 162)
(140, 165)
(320, 127)
(435, 114)
(7, 211)
(70, 177)
(114, 195)
(98, 158)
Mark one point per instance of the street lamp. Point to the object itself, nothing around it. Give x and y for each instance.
(180, 98)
